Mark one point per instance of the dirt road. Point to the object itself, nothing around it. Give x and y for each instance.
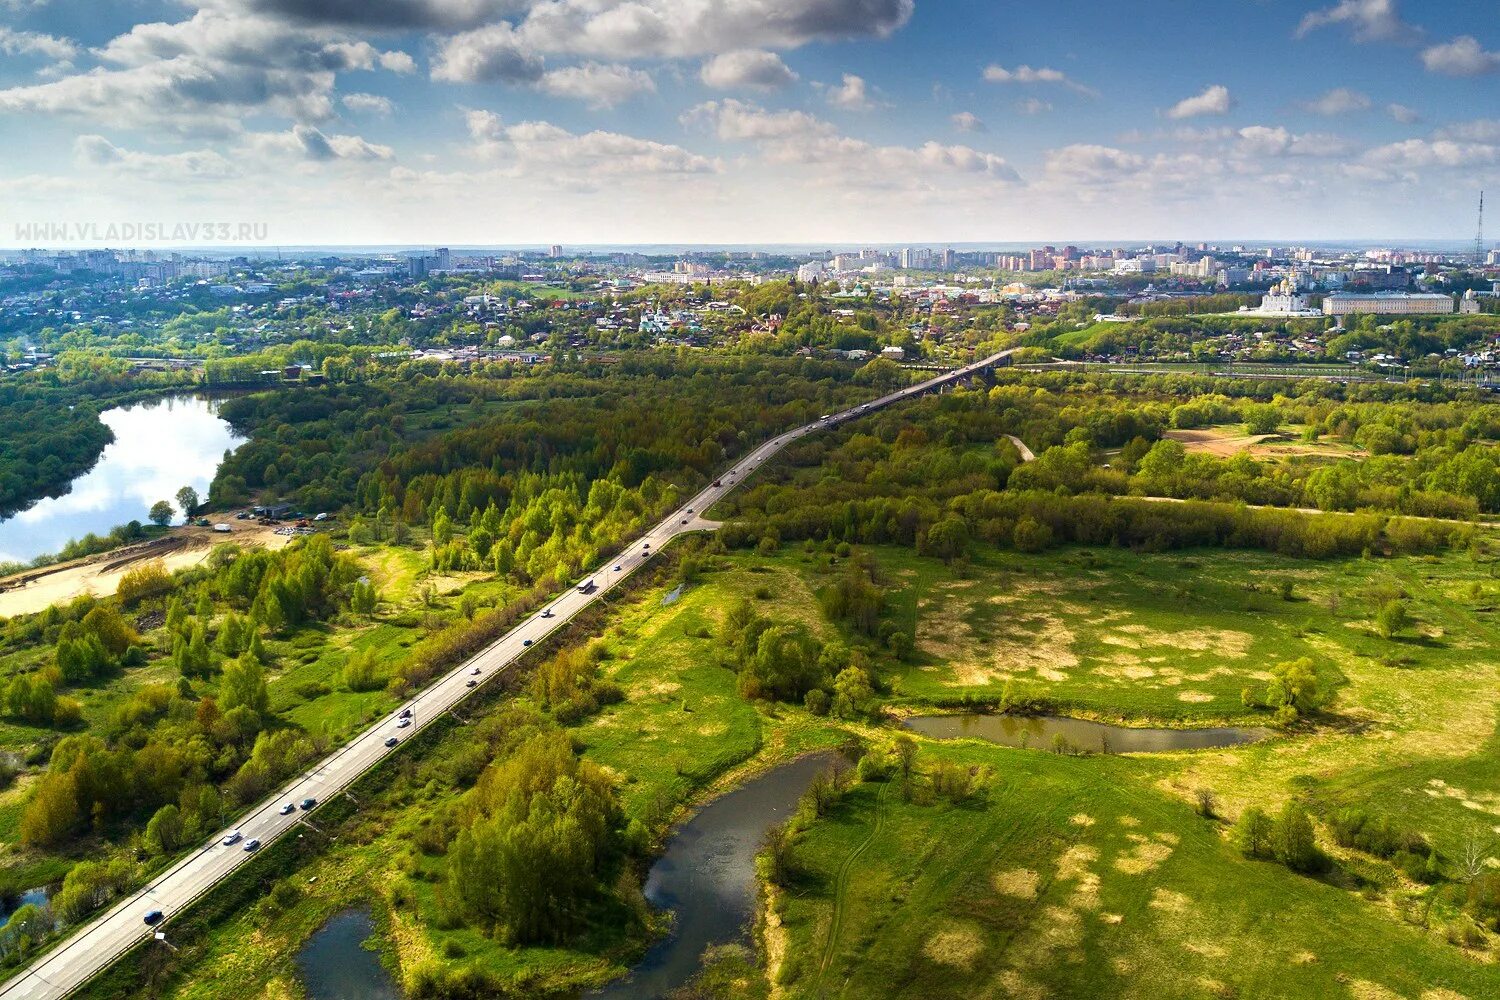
(30, 592)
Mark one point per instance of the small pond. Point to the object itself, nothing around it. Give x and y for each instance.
(335, 965)
(1040, 732)
(160, 446)
(707, 877)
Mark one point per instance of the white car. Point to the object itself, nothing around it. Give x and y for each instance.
(232, 837)
(402, 723)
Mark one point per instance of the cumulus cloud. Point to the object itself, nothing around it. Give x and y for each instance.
(1463, 56)
(1477, 130)
(752, 69)
(1266, 140)
(995, 73)
(538, 147)
(1214, 100)
(673, 29)
(1085, 163)
(597, 84)
(34, 43)
(372, 104)
(489, 54)
(1338, 101)
(968, 121)
(433, 15)
(853, 94)
(1367, 21)
(197, 164)
(308, 143)
(795, 138)
(205, 74)
(1403, 114)
(1416, 153)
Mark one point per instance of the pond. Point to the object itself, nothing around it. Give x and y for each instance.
(1041, 732)
(160, 446)
(707, 877)
(30, 897)
(335, 965)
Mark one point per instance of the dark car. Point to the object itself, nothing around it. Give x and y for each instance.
(308, 802)
(471, 682)
(526, 642)
(154, 917)
(391, 741)
(406, 713)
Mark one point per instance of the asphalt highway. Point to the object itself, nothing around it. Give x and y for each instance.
(100, 941)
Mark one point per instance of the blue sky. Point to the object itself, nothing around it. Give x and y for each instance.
(826, 121)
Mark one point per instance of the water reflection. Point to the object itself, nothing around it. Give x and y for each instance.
(1042, 733)
(160, 446)
(335, 964)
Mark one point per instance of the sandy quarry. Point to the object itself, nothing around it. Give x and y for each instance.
(30, 592)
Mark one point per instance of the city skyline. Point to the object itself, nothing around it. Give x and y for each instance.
(784, 122)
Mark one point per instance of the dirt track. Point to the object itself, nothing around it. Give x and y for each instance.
(31, 591)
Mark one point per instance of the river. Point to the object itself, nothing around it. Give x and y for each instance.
(707, 877)
(1040, 732)
(160, 446)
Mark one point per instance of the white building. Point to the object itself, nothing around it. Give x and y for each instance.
(1387, 304)
(813, 270)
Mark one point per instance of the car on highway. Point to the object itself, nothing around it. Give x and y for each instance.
(525, 642)
(475, 671)
(288, 809)
(646, 546)
(153, 917)
(232, 837)
(684, 520)
(252, 845)
(406, 712)
(547, 612)
(391, 741)
(718, 483)
(403, 722)
(617, 567)
(308, 803)
(471, 682)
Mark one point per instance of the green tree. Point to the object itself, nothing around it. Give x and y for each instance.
(187, 501)
(244, 685)
(1253, 833)
(1392, 619)
(1293, 842)
(161, 513)
(165, 829)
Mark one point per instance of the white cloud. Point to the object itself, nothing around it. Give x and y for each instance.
(204, 74)
(1265, 140)
(1417, 153)
(26, 43)
(373, 104)
(1215, 100)
(197, 164)
(1463, 56)
(487, 55)
(968, 121)
(1338, 101)
(851, 95)
(1403, 114)
(538, 148)
(753, 69)
(1367, 20)
(795, 138)
(675, 29)
(995, 73)
(597, 84)
(308, 143)
(1477, 130)
(1085, 163)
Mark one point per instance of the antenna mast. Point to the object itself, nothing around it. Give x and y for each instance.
(1479, 234)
